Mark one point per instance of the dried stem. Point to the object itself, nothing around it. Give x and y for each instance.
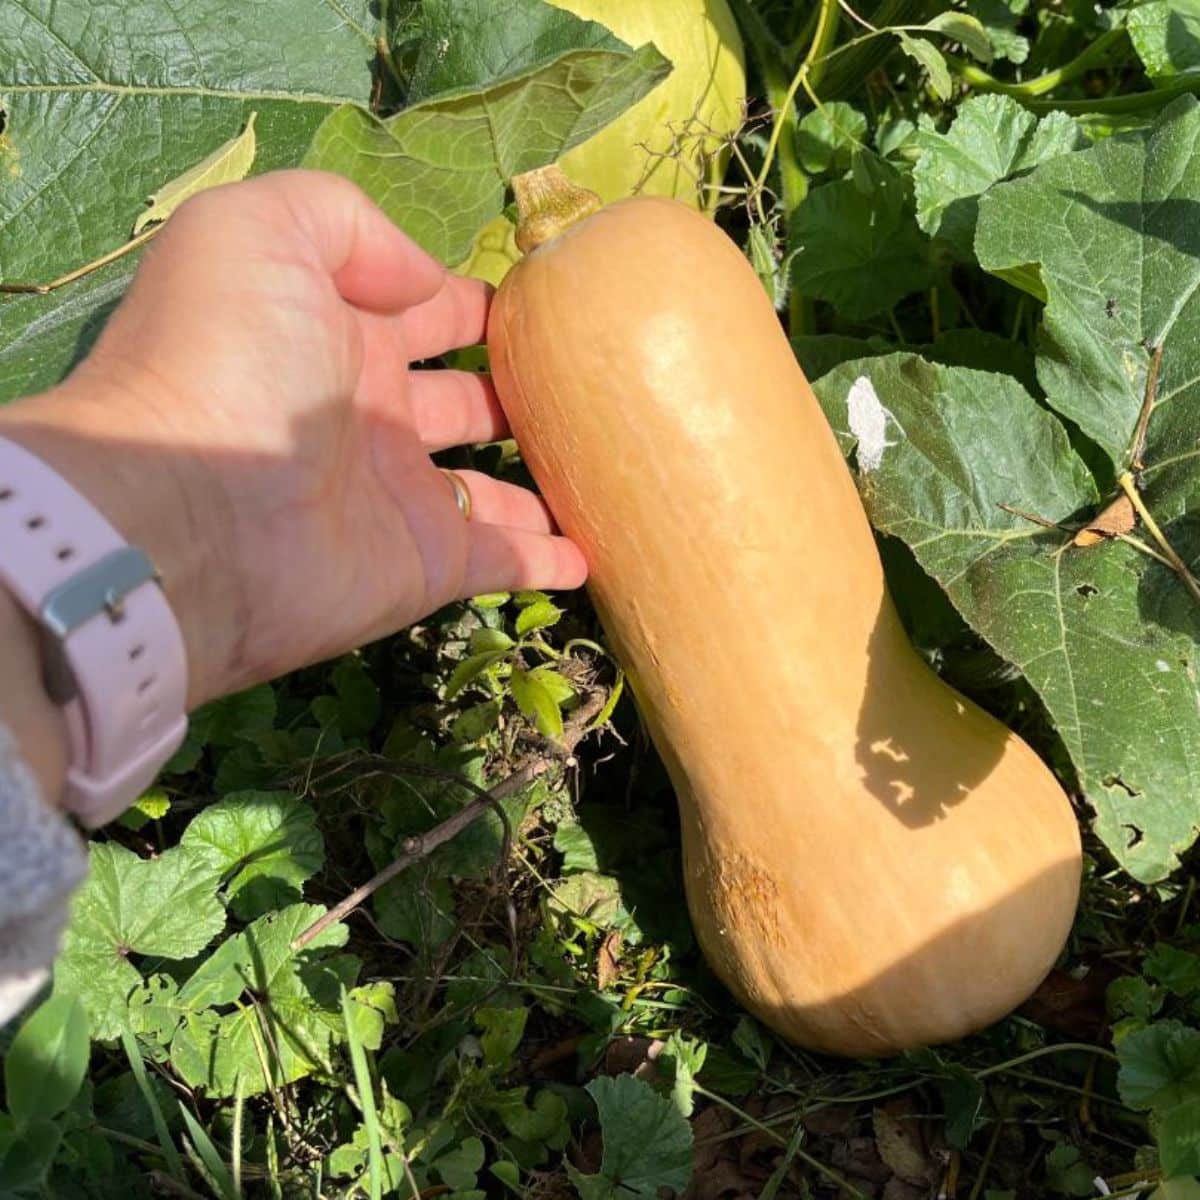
(41, 289)
(1139, 434)
(422, 845)
(1176, 563)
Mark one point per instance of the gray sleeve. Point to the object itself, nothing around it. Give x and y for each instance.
(42, 860)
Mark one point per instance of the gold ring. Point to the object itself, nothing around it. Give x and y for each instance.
(462, 494)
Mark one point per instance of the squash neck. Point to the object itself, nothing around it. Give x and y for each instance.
(549, 204)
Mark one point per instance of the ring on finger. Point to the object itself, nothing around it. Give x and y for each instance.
(462, 494)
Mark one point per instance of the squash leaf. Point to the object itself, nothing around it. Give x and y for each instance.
(440, 168)
(100, 109)
(1166, 36)
(860, 249)
(992, 138)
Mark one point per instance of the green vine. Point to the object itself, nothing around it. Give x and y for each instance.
(1093, 56)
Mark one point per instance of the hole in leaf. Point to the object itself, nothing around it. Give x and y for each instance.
(1129, 789)
(1087, 590)
(3, 121)
(1135, 835)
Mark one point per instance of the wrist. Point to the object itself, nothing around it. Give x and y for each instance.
(116, 449)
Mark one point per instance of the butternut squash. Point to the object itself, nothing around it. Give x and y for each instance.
(872, 863)
(669, 143)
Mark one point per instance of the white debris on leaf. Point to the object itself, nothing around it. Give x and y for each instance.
(868, 422)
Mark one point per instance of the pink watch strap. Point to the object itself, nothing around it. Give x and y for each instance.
(115, 658)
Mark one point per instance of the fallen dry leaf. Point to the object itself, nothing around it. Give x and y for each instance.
(901, 1144)
(1118, 518)
(608, 961)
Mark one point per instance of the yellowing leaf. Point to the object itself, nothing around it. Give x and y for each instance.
(226, 164)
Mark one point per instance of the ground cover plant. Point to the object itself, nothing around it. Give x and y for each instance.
(978, 224)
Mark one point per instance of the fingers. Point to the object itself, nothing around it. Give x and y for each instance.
(455, 408)
(502, 559)
(496, 503)
(373, 264)
(452, 317)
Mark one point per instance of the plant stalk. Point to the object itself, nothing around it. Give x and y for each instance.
(1040, 85)
(1127, 485)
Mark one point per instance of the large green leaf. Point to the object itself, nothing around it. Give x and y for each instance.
(1160, 1066)
(1166, 35)
(41, 337)
(440, 168)
(105, 105)
(859, 246)
(1106, 635)
(647, 1142)
(288, 1005)
(992, 137)
(264, 844)
(163, 907)
(1115, 233)
(467, 45)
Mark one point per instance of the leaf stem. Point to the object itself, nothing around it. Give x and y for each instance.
(383, 44)
(41, 289)
(1042, 1052)
(1127, 485)
(1040, 85)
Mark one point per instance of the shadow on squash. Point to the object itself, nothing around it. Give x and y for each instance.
(921, 746)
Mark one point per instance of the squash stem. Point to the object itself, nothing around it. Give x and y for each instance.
(549, 203)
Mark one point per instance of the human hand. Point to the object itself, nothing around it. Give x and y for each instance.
(249, 417)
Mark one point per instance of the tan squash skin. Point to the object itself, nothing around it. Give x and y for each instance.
(872, 862)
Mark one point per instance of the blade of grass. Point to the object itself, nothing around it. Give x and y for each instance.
(273, 1160)
(239, 1106)
(366, 1099)
(209, 1161)
(138, 1067)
